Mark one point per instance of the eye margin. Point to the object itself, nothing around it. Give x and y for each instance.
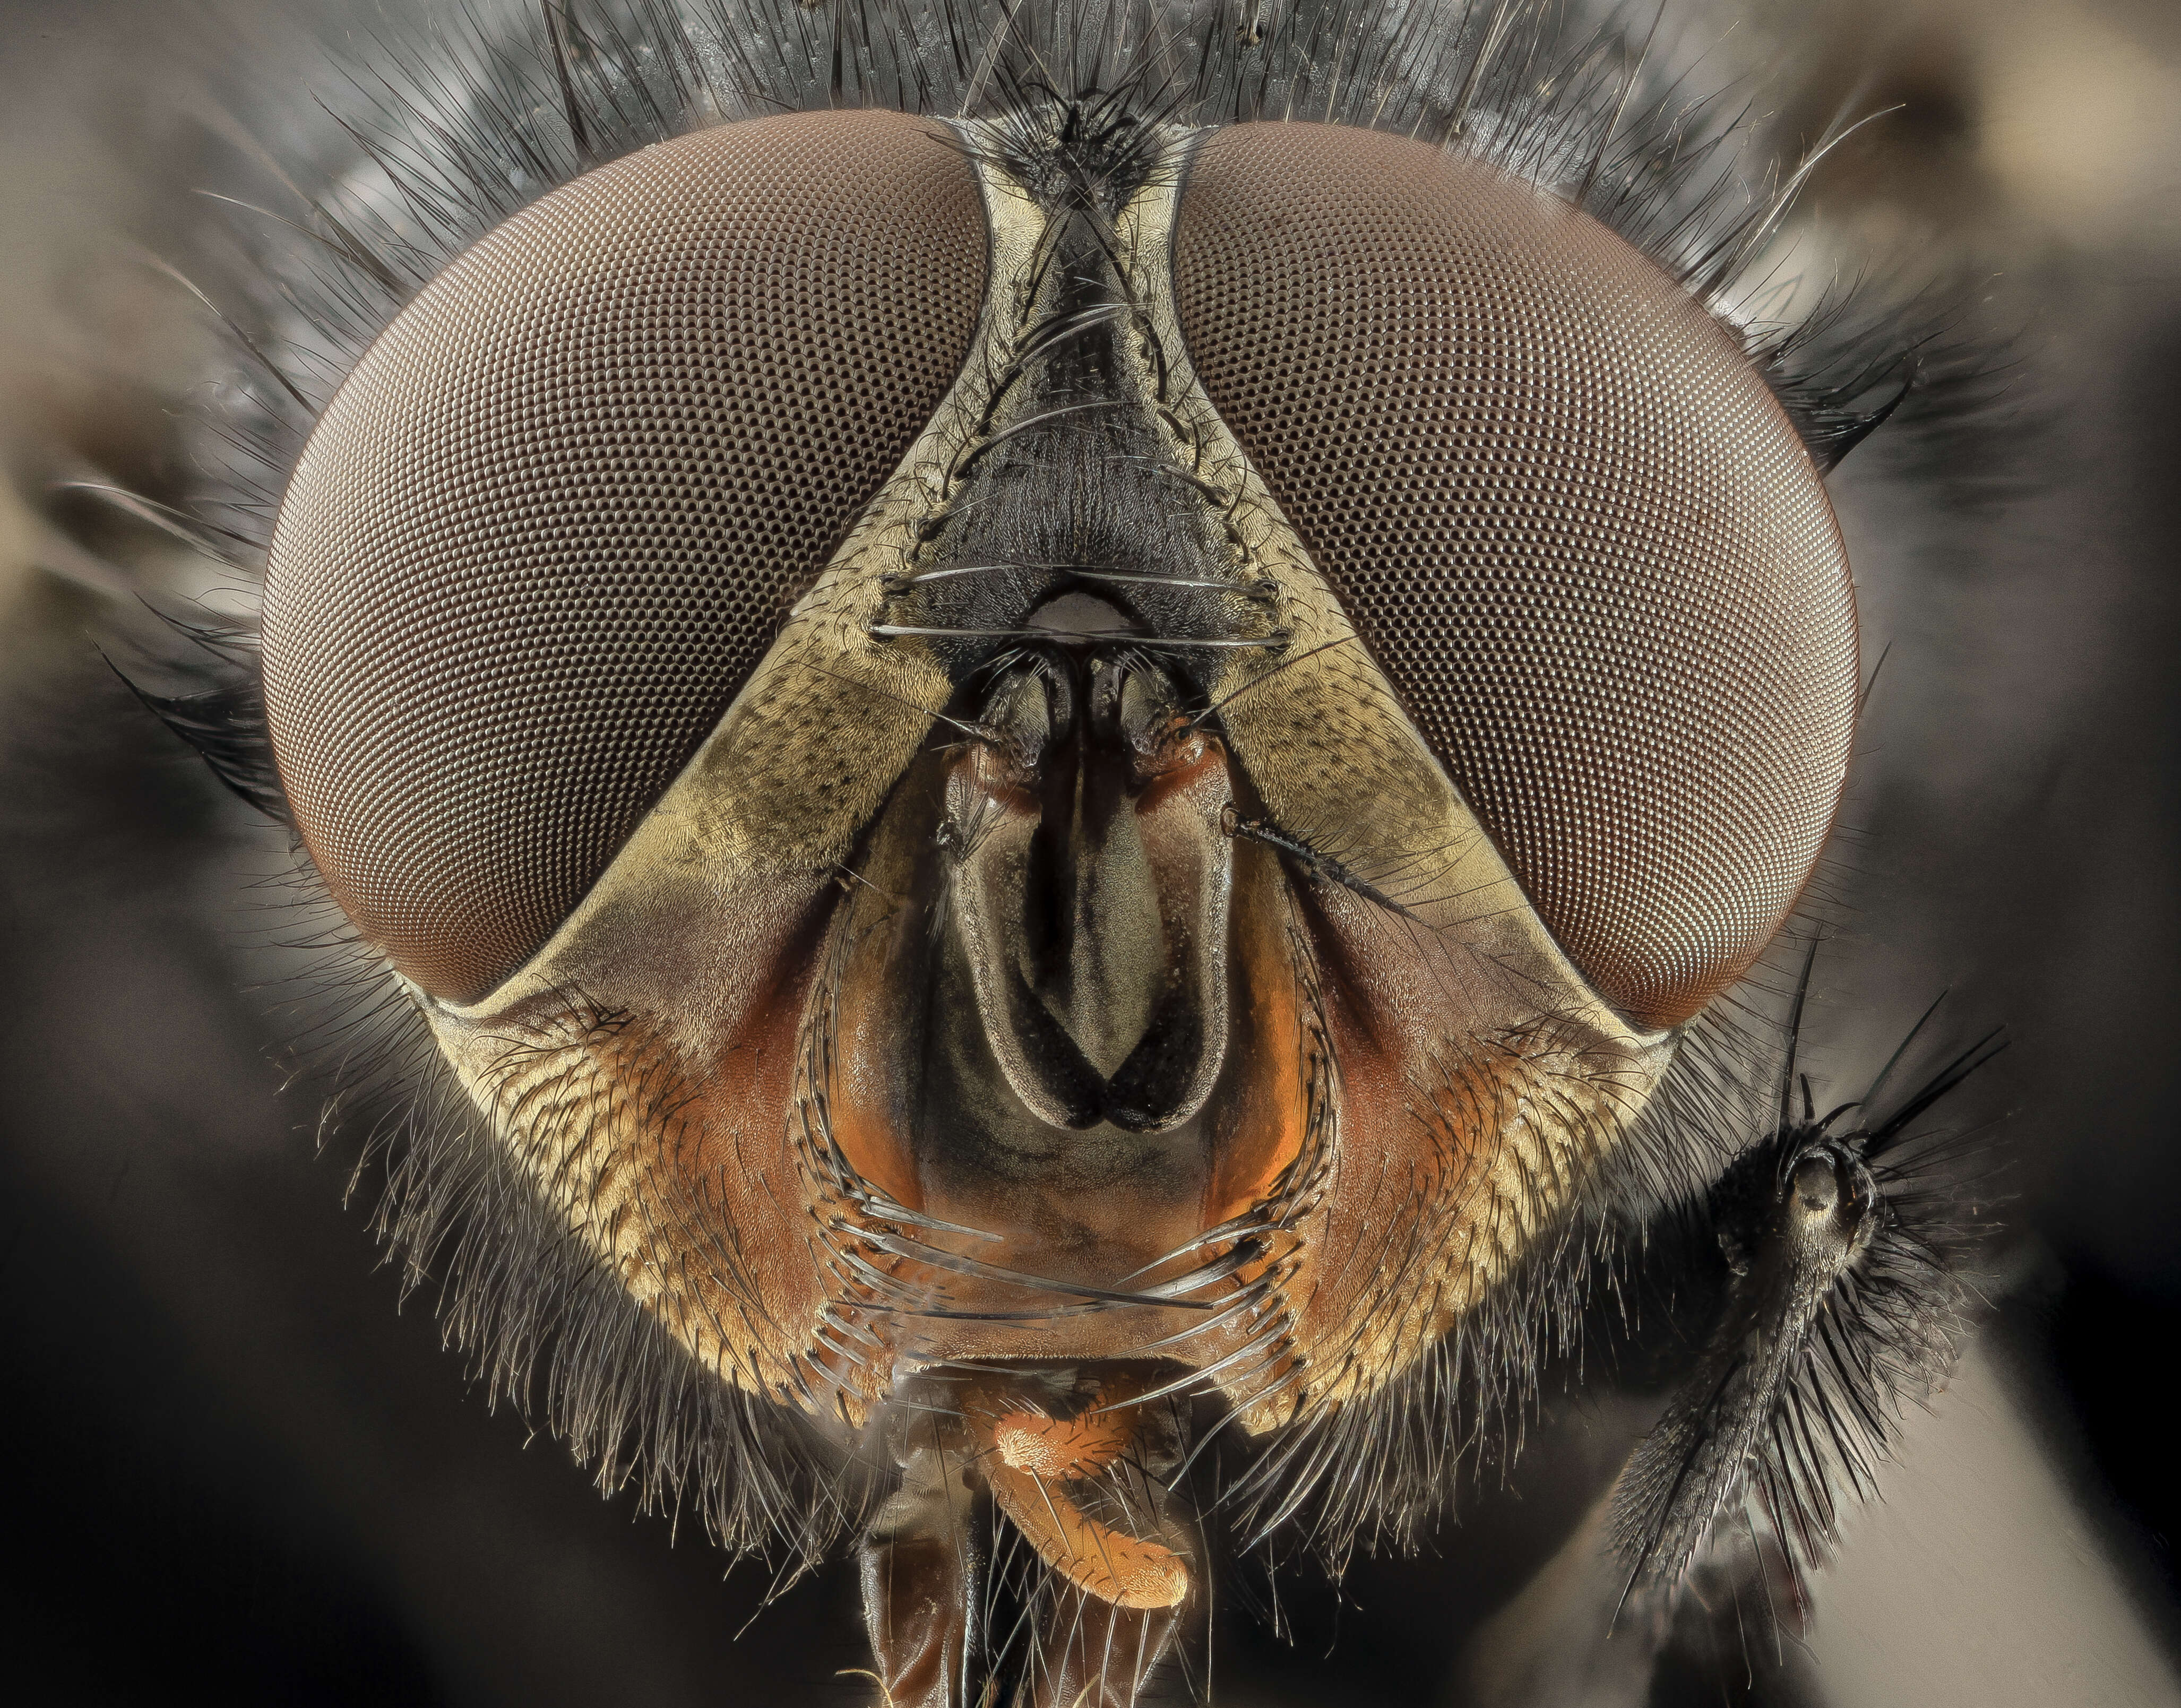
(893, 249)
(1675, 921)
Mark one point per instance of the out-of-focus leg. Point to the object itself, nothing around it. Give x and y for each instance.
(923, 1582)
(1557, 1641)
(1980, 1578)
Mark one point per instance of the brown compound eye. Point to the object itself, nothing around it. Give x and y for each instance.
(1581, 535)
(549, 526)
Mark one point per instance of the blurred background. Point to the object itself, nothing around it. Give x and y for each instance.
(235, 1466)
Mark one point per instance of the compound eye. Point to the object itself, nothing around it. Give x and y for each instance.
(1581, 536)
(550, 524)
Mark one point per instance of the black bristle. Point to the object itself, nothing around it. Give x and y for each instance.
(221, 714)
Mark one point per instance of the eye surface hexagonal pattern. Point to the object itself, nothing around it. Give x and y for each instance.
(1577, 528)
(547, 528)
